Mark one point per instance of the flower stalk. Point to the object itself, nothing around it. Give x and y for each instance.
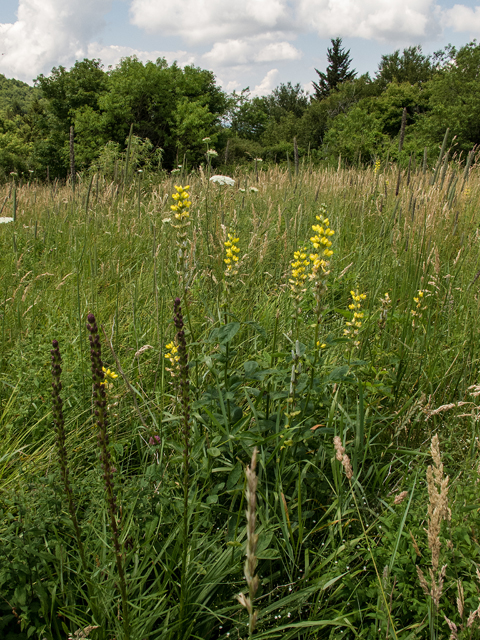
(184, 400)
(101, 417)
(59, 422)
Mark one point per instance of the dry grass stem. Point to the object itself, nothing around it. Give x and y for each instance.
(252, 539)
(400, 497)
(342, 457)
(438, 511)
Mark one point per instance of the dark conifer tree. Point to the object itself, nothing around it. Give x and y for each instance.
(338, 70)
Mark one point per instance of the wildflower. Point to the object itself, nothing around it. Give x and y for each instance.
(231, 251)
(172, 355)
(253, 189)
(181, 208)
(376, 169)
(355, 323)
(5, 220)
(321, 240)
(386, 302)
(154, 440)
(420, 307)
(212, 152)
(298, 267)
(110, 374)
(207, 139)
(320, 260)
(223, 180)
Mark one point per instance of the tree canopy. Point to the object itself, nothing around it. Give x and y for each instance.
(338, 70)
(171, 111)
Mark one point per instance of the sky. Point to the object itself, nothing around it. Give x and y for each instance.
(246, 43)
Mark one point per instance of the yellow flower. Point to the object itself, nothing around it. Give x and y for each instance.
(172, 355)
(419, 300)
(109, 374)
(298, 269)
(356, 318)
(231, 251)
(182, 203)
(321, 241)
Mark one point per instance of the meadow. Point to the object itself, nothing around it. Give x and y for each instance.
(351, 376)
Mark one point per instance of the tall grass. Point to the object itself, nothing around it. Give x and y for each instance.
(255, 380)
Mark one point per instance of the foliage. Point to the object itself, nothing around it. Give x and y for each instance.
(174, 110)
(412, 67)
(338, 70)
(15, 96)
(269, 367)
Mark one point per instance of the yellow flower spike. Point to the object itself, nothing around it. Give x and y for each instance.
(231, 250)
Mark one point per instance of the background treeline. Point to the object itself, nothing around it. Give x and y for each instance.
(171, 111)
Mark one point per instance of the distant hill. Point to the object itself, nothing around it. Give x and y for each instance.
(15, 95)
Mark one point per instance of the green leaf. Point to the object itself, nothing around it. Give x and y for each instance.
(257, 328)
(338, 374)
(250, 367)
(268, 554)
(214, 452)
(228, 332)
(234, 475)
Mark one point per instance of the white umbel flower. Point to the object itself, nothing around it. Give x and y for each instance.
(223, 180)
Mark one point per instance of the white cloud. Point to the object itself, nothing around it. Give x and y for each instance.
(112, 54)
(49, 33)
(211, 20)
(278, 51)
(229, 53)
(242, 51)
(267, 84)
(309, 88)
(232, 85)
(463, 18)
(382, 20)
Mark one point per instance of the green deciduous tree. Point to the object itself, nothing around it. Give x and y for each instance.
(356, 134)
(68, 91)
(411, 66)
(454, 102)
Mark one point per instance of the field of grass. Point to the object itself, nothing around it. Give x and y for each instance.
(351, 544)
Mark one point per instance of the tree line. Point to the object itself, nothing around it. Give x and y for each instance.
(169, 116)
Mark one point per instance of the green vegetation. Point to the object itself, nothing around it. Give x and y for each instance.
(170, 111)
(335, 312)
(338, 70)
(220, 400)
